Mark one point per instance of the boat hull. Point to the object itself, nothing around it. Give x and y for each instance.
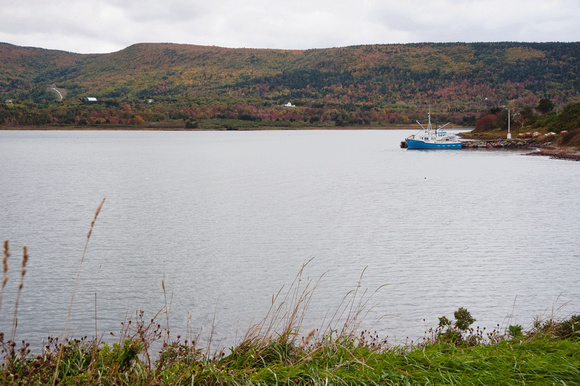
(417, 144)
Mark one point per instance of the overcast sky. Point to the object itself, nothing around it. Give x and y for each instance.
(99, 26)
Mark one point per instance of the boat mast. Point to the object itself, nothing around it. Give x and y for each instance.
(429, 127)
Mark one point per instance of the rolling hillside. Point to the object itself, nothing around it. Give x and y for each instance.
(457, 79)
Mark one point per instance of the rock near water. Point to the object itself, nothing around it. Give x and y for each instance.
(534, 148)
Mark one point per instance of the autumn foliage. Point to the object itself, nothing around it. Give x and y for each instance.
(187, 85)
(486, 123)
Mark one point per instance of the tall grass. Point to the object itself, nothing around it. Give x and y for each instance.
(9, 347)
(75, 288)
(279, 349)
(5, 256)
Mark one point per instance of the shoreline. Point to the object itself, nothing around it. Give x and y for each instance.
(534, 148)
(169, 128)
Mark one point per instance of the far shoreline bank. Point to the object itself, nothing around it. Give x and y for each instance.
(169, 128)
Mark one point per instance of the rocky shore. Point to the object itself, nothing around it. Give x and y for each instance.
(533, 148)
(557, 154)
(500, 144)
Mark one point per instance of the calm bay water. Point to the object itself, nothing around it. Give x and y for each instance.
(225, 219)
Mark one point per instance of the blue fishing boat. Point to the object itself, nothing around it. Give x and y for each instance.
(432, 138)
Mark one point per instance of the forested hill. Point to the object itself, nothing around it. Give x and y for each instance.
(457, 78)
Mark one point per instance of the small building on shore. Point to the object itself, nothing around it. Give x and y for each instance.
(90, 99)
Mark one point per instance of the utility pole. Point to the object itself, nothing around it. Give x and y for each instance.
(509, 136)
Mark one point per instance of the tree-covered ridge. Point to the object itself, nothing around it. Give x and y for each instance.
(357, 85)
(460, 73)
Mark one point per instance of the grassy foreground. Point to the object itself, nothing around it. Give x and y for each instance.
(541, 356)
(278, 351)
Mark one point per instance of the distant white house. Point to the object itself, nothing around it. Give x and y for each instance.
(9, 101)
(90, 99)
(289, 105)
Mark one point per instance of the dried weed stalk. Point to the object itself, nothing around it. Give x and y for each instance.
(5, 257)
(75, 288)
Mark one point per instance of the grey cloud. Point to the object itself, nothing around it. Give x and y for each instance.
(110, 25)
